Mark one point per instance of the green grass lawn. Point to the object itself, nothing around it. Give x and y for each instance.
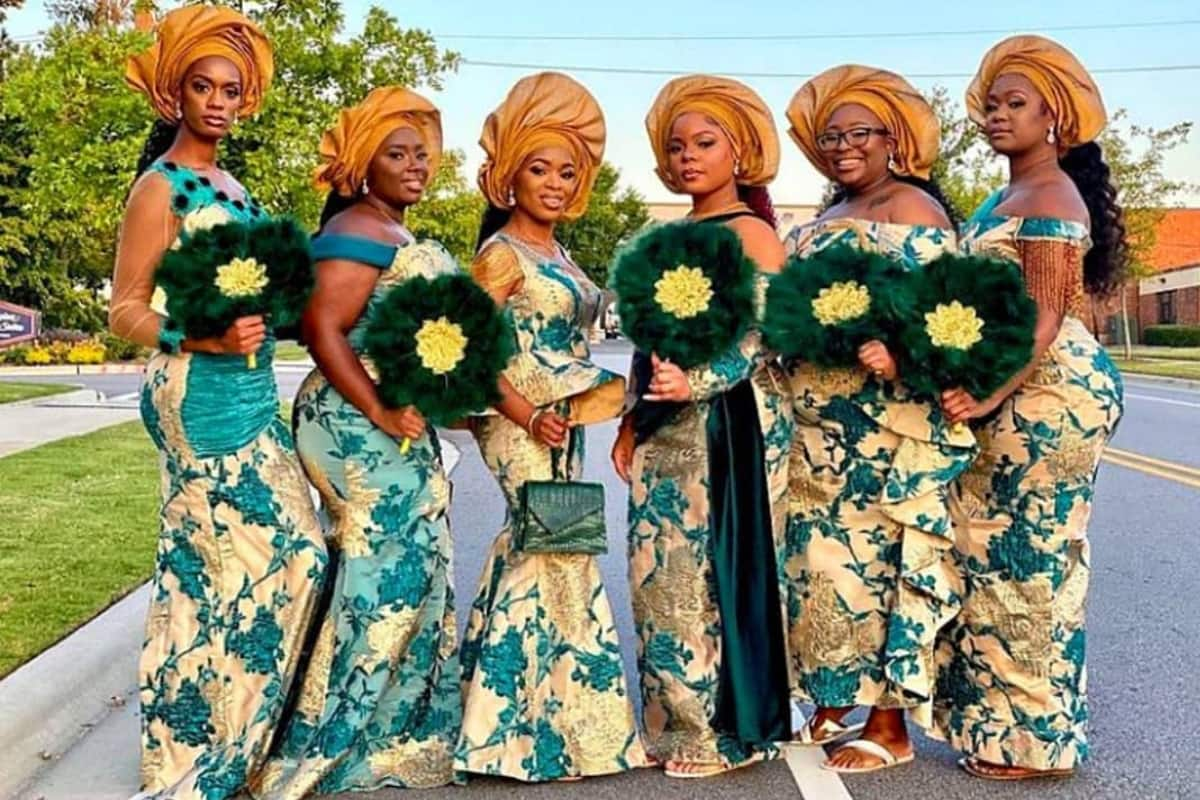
(288, 350)
(1168, 369)
(80, 524)
(1172, 353)
(11, 392)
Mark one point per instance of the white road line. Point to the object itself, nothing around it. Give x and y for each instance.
(805, 762)
(1162, 400)
(814, 782)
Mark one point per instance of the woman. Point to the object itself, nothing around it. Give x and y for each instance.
(869, 536)
(544, 681)
(1011, 676)
(379, 704)
(240, 554)
(705, 450)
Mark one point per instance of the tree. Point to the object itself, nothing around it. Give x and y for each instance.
(966, 170)
(612, 217)
(451, 209)
(72, 132)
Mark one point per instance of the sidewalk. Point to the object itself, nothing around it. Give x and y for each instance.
(76, 736)
(30, 423)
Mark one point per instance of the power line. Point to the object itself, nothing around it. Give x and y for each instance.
(785, 37)
(469, 62)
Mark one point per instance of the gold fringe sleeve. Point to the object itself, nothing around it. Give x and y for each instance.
(1053, 271)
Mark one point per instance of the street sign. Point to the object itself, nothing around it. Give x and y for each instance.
(18, 324)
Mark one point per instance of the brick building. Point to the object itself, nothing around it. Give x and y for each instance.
(1171, 295)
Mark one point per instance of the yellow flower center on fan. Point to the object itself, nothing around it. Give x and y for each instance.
(841, 302)
(955, 326)
(441, 345)
(683, 292)
(242, 277)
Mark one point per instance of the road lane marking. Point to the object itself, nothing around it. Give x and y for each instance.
(1166, 400)
(814, 782)
(1169, 470)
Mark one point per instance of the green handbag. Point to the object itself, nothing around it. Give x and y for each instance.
(560, 516)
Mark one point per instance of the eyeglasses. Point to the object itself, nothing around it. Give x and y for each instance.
(855, 137)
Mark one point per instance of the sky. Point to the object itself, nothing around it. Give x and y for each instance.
(1154, 99)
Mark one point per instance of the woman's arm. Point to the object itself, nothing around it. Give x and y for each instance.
(342, 292)
(147, 231)
(496, 270)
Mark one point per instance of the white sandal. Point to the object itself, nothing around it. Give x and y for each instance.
(886, 756)
(827, 732)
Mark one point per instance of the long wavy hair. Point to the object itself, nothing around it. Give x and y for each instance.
(1106, 265)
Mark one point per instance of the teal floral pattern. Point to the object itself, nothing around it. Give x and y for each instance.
(1012, 684)
(545, 692)
(871, 576)
(379, 704)
(240, 563)
(671, 569)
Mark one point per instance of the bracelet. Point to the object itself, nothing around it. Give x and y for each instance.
(170, 338)
(537, 413)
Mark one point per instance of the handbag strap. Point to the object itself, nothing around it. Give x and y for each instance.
(556, 453)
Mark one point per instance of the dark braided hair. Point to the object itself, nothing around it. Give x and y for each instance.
(162, 136)
(926, 185)
(1106, 264)
(494, 218)
(759, 200)
(334, 205)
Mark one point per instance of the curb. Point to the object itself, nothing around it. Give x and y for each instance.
(67, 369)
(52, 701)
(1185, 383)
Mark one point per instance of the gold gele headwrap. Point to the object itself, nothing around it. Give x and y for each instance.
(909, 119)
(548, 109)
(740, 112)
(186, 35)
(348, 147)
(1068, 89)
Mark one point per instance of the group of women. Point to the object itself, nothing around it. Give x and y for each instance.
(795, 533)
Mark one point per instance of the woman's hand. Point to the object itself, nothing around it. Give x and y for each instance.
(622, 452)
(960, 406)
(668, 383)
(874, 356)
(243, 337)
(401, 423)
(549, 427)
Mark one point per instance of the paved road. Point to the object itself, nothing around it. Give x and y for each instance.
(1142, 641)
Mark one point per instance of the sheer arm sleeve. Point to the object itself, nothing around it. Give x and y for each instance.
(148, 230)
(1053, 270)
(728, 369)
(497, 270)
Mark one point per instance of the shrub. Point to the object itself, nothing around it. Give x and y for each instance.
(91, 352)
(36, 356)
(1173, 335)
(118, 349)
(14, 355)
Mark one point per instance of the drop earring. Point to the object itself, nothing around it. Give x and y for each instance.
(1050, 138)
(512, 197)
(366, 189)
(891, 165)
(178, 111)
(737, 169)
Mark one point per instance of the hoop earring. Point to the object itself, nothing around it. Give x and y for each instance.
(1050, 138)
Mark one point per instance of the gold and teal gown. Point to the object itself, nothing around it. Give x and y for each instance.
(869, 563)
(544, 683)
(240, 560)
(707, 509)
(1012, 683)
(379, 703)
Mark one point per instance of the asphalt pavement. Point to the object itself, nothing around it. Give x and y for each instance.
(1142, 644)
